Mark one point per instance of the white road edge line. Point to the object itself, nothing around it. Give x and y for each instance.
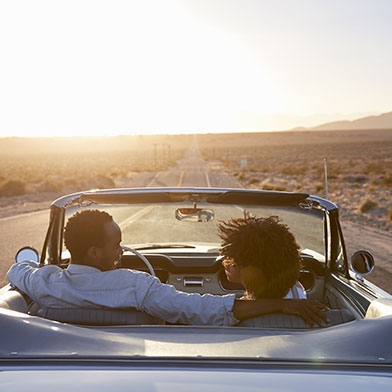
(239, 184)
(124, 224)
(181, 179)
(208, 179)
(153, 179)
(25, 214)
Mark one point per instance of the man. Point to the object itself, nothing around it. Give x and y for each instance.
(92, 281)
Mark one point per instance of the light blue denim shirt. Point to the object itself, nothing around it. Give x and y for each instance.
(82, 286)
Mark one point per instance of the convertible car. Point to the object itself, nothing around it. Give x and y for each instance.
(172, 233)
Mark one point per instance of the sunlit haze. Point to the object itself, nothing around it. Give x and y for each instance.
(131, 67)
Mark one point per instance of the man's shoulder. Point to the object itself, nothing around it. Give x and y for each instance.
(127, 275)
(131, 272)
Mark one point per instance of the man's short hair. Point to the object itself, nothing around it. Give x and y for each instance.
(85, 229)
(262, 244)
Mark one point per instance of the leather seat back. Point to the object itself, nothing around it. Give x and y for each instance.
(288, 321)
(98, 316)
(13, 300)
(379, 308)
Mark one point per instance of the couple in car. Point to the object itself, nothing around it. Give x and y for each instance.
(260, 253)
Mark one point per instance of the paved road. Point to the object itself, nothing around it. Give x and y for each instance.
(29, 229)
(378, 243)
(18, 231)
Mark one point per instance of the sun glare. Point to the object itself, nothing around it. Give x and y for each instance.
(130, 67)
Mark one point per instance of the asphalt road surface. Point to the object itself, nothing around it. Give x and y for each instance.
(29, 229)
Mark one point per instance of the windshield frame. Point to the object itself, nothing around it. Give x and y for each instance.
(54, 240)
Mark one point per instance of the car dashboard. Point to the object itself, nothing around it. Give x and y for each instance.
(204, 273)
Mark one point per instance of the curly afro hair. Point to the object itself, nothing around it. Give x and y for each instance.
(85, 229)
(266, 251)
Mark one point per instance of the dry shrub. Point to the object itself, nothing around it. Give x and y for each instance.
(367, 205)
(269, 187)
(319, 188)
(294, 170)
(387, 180)
(374, 168)
(253, 180)
(50, 186)
(105, 182)
(13, 188)
(334, 170)
(356, 179)
(72, 183)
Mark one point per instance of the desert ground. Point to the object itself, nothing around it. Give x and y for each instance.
(359, 167)
(34, 172)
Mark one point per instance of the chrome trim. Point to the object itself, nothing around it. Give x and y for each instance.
(189, 283)
(185, 193)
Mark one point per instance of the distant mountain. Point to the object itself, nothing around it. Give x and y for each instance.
(383, 121)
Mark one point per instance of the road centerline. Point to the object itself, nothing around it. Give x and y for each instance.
(181, 179)
(133, 218)
(208, 179)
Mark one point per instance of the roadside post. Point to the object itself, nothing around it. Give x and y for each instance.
(244, 164)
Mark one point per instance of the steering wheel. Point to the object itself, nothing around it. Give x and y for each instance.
(141, 257)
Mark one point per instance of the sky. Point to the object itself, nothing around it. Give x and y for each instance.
(70, 68)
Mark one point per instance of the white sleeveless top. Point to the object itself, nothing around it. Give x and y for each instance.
(297, 292)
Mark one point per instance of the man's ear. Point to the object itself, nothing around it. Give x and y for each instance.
(93, 252)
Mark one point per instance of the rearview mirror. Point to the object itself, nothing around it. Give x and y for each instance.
(194, 214)
(27, 254)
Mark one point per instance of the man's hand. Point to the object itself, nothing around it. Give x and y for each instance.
(310, 311)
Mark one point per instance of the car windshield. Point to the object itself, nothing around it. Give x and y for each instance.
(155, 226)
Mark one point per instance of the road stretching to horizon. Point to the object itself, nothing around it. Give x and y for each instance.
(191, 171)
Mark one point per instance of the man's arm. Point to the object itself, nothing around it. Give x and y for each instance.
(188, 308)
(310, 311)
(19, 276)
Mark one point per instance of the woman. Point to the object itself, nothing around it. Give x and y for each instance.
(263, 255)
